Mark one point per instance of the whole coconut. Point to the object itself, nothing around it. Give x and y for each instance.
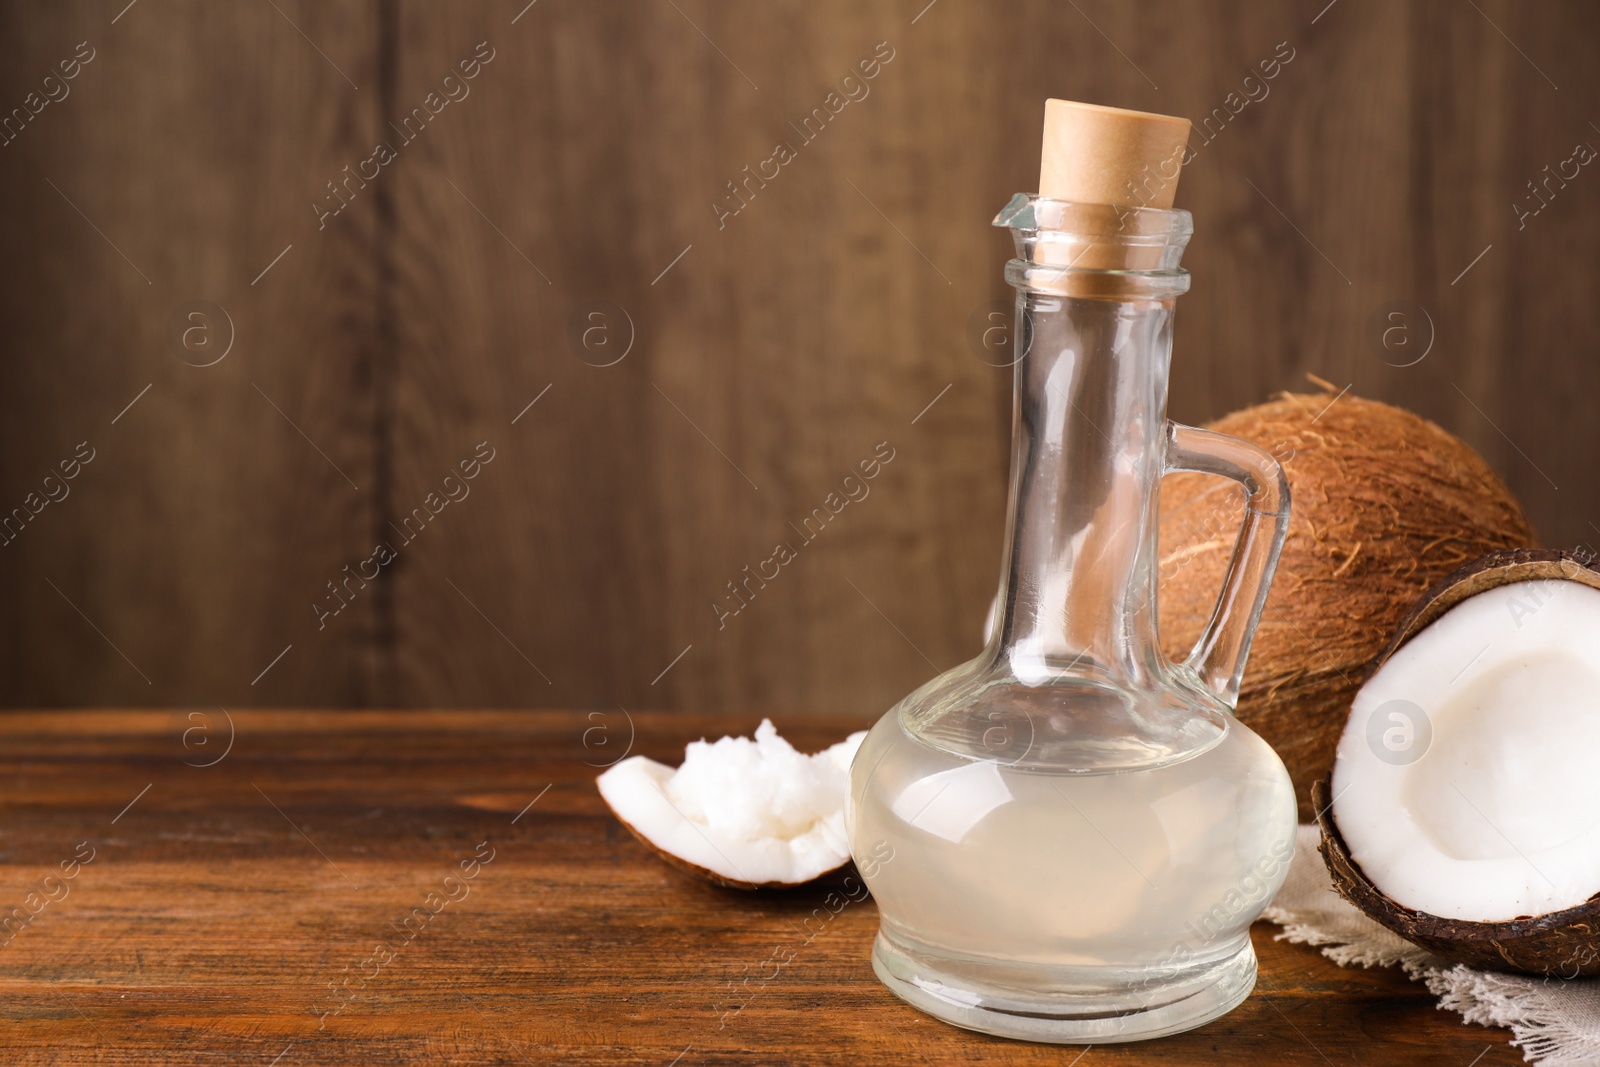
(1385, 504)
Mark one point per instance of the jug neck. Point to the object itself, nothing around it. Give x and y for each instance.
(1096, 290)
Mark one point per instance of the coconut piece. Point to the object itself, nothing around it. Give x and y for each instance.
(746, 814)
(1565, 944)
(1462, 812)
(1385, 504)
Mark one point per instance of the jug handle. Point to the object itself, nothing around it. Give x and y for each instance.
(1218, 657)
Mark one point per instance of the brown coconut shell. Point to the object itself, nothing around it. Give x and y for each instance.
(1490, 571)
(1385, 504)
(713, 877)
(1562, 944)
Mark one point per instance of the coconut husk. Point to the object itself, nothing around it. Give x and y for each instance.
(1385, 504)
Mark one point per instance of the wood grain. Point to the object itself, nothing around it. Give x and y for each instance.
(834, 311)
(189, 551)
(733, 416)
(220, 906)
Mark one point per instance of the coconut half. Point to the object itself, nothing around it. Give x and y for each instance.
(743, 813)
(1463, 810)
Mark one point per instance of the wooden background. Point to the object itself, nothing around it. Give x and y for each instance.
(768, 356)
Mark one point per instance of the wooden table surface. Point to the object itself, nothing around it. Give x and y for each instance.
(240, 887)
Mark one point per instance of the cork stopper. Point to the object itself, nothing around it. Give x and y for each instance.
(1107, 155)
(1105, 163)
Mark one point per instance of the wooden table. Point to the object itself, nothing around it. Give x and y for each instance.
(234, 900)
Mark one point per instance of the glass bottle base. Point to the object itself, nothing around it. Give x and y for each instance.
(1063, 1005)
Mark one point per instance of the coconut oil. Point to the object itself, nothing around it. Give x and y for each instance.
(1069, 836)
(1091, 898)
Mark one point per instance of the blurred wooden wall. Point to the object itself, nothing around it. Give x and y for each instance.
(563, 202)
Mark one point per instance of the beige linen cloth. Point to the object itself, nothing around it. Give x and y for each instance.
(1555, 1022)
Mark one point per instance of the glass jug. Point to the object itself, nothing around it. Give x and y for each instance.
(1069, 836)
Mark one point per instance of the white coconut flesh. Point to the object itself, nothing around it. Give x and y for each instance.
(754, 811)
(1499, 816)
